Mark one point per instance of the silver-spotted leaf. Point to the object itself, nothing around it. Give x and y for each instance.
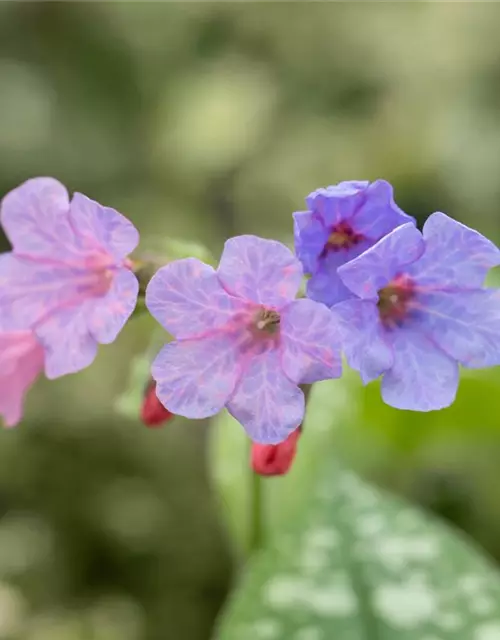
(361, 565)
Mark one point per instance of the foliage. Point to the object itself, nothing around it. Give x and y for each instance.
(358, 565)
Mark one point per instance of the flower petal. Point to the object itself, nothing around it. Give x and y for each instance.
(32, 289)
(455, 256)
(310, 345)
(21, 362)
(187, 298)
(262, 271)
(310, 238)
(379, 215)
(110, 312)
(35, 218)
(325, 284)
(337, 202)
(266, 402)
(363, 339)
(376, 267)
(69, 347)
(196, 377)
(423, 377)
(465, 324)
(327, 288)
(102, 227)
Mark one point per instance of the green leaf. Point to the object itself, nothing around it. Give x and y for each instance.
(361, 565)
(472, 415)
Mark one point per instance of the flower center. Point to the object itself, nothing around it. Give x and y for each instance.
(104, 282)
(267, 321)
(342, 236)
(394, 300)
(101, 272)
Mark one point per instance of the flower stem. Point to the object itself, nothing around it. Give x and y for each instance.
(256, 536)
(256, 509)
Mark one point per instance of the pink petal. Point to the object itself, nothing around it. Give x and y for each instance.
(196, 377)
(102, 227)
(21, 362)
(187, 298)
(110, 312)
(261, 271)
(266, 402)
(310, 345)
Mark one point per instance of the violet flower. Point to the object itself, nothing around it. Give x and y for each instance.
(341, 222)
(421, 311)
(242, 340)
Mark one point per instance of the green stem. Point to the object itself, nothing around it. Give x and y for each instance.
(256, 537)
(256, 510)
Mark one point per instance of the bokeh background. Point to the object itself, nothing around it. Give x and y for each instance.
(201, 121)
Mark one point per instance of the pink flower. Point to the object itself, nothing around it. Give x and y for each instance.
(68, 278)
(21, 362)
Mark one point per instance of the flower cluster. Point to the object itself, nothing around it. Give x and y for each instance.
(406, 305)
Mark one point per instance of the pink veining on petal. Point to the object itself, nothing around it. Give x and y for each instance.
(239, 340)
(66, 269)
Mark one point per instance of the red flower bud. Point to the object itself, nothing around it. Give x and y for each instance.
(275, 459)
(153, 413)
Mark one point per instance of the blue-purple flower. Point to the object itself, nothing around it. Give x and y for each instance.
(67, 278)
(421, 311)
(341, 222)
(242, 340)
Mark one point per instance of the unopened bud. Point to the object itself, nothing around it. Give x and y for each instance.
(275, 459)
(153, 413)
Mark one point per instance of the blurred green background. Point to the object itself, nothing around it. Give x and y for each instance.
(203, 120)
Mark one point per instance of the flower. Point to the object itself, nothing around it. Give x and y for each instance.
(341, 222)
(21, 362)
(275, 459)
(153, 413)
(421, 311)
(242, 341)
(67, 278)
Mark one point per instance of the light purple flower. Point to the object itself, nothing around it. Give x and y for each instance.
(341, 222)
(67, 277)
(421, 311)
(242, 341)
(21, 362)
